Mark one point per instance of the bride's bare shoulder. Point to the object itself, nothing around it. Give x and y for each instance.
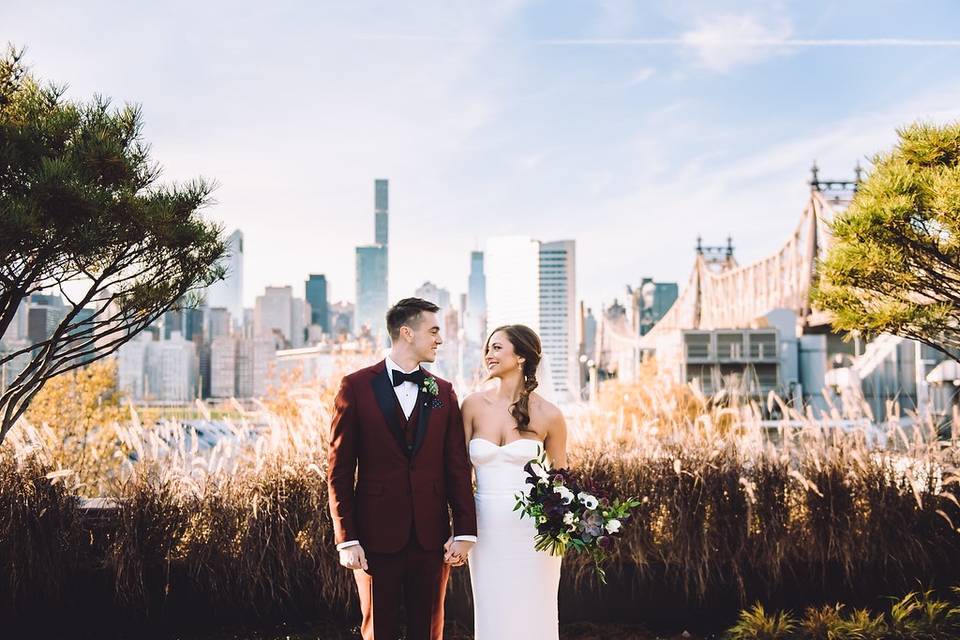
(476, 399)
(545, 410)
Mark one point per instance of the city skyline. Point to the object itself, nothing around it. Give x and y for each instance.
(629, 128)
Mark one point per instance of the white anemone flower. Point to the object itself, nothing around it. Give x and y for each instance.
(565, 494)
(538, 469)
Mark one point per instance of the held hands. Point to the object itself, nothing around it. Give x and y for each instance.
(456, 552)
(353, 557)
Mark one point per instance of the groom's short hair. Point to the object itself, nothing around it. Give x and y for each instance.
(404, 312)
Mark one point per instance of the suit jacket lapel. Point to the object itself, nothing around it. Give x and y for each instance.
(423, 399)
(387, 401)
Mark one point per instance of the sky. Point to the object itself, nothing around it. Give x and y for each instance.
(631, 127)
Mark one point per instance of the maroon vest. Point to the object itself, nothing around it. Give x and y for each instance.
(409, 425)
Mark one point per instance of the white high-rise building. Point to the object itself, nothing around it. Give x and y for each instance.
(171, 369)
(513, 281)
(273, 312)
(432, 293)
(15, 339)
(256, 359)
(11, 369)
(248, 322)
(131, 365)
(223, 367)
(228, 293)
(534, 283)
(218, 322)
(277, 311)
(558, 316)
(18, 326)
(299, 321)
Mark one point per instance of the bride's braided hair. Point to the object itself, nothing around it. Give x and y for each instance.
(526, 345)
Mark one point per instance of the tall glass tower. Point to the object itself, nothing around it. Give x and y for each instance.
(372, 268)
(477, 299)
(228, 293)
(381, 208)
(316, 288)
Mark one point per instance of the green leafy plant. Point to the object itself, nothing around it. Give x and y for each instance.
(756, 624)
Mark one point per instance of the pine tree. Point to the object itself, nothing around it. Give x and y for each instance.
(894, 266)
(82, 217)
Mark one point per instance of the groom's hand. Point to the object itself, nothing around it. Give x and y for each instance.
(456, 552)
(353, 557)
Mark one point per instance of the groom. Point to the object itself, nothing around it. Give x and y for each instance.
(398, 431)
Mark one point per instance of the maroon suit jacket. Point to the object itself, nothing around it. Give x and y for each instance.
(378, 487)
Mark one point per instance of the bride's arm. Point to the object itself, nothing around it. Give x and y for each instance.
(556, 440)
(467, 410)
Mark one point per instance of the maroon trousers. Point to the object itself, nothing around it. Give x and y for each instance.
(414, 577)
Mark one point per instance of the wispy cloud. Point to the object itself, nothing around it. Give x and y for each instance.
(693, 39)
(639, 77)
(731, 40)
(751, 42)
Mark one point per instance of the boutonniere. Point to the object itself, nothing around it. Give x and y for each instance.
(430, 387)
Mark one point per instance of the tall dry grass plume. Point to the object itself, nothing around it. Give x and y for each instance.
(733, 510)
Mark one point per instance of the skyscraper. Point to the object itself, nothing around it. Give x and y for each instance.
(513, 281)
(381, 208)
(223, 367)
(44, 315)
(651, 301)
(278, 312)
(372, 268)
(254, 361)
(341, 318)
(476, 311)
(533, 283)
(218, 323)
(132, 365)
(558, 315)
(432, 293)
(171, 369)
(228, 293)
(316, 288)
(273, 311)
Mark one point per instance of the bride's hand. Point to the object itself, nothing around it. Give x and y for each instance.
(456, 552)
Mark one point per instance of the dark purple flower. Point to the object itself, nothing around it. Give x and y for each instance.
(605, 542)
(554, 510)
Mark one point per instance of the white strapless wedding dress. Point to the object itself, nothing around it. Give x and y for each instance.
(514, 586)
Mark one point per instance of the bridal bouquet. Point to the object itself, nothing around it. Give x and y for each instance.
(568, 517)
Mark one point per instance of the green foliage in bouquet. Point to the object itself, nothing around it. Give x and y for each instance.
(569, 517)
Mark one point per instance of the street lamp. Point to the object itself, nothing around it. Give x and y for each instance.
(592, 380)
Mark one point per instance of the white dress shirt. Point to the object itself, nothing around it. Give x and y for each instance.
(406, 393)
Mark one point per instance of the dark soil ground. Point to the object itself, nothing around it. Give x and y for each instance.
(573, 631)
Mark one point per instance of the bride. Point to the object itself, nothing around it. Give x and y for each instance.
(514, 586)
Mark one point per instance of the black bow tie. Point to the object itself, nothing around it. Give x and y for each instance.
(399, 377)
